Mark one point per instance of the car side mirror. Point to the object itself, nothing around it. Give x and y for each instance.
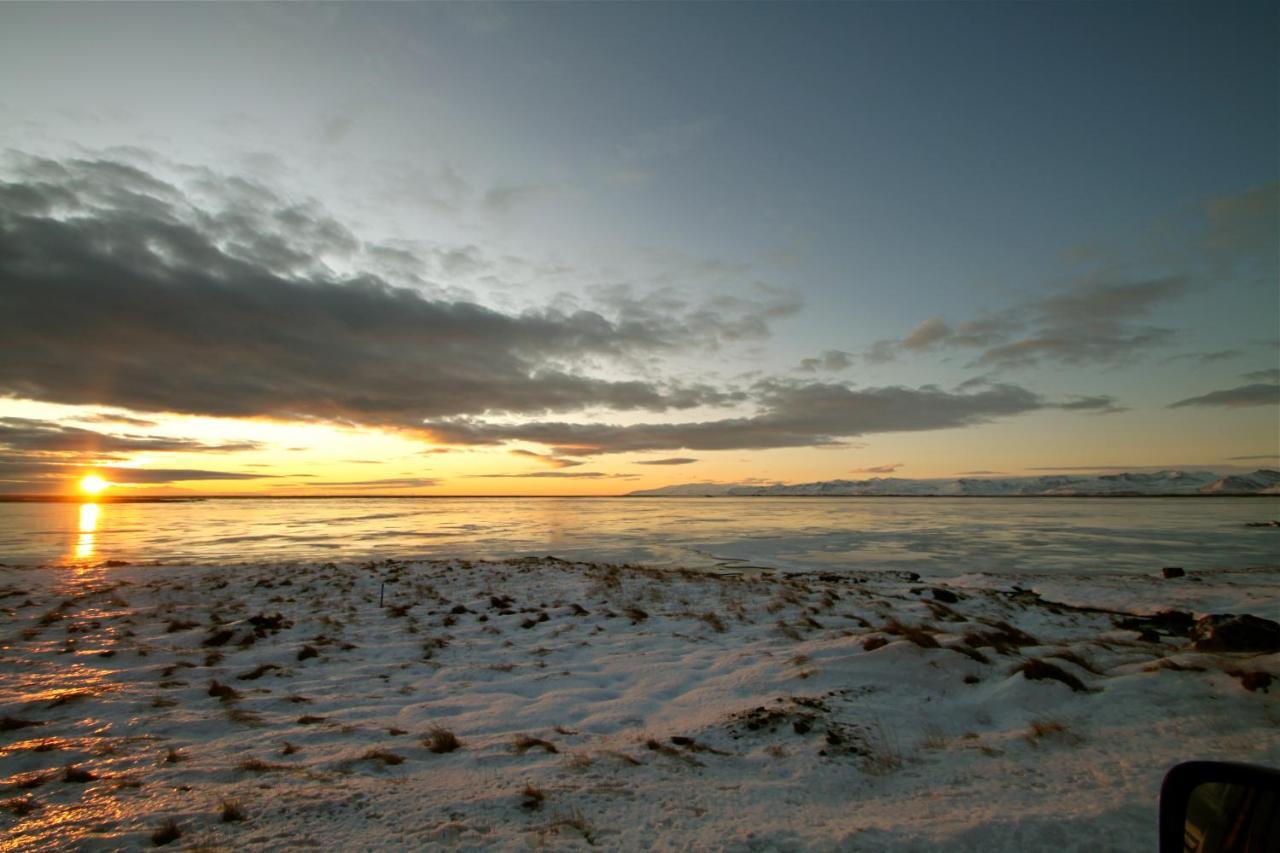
(1220, 807)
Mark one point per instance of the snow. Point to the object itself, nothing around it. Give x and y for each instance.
(1262, 481)
(792, 730)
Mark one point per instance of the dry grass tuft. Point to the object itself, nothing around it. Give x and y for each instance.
(1076, 658)
(257, 672)
(77, 775)
(872, 643)
(440, 740)
(716, 623)
(935, 738)
(915, 633)
(309, 720)
(1038, 670)
(524, 743)
(573, 819)
(531, 798)
(9, 724)
(223, 691)
(20, 806)
(231, 812)
(166, 833)
(883, 754)
(288, 748)
(173, 756)
(68, 696)
(582, 760)
(257, 765)
(385, 756)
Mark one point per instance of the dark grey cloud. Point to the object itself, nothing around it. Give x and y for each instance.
(1101, 404)
(112, 418)
(1257, 394)
(548, 459)
(19, 472)
(878, 469)
(792, 415)
(1271, 374)
(671, 460)
(122, 289)
(1091, 323)
(1208, 357)
(35, 436)
(1254, 457)
(832, 360)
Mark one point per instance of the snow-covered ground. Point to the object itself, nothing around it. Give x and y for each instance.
(659, 710)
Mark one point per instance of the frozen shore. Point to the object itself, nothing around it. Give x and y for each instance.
(282, 706)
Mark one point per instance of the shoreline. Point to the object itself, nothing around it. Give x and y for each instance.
(601, 705)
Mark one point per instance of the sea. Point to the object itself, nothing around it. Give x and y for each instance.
(931, 536)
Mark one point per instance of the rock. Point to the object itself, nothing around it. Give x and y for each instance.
(1175, 622)
(1262, 524)
(946, 596)
(1227, 632)
(1173, 572)
(1253, 681)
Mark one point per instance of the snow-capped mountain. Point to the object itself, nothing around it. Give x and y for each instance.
(1262, 481)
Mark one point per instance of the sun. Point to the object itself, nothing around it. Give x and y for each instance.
(93, 484)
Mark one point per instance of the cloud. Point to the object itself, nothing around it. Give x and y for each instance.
(25, 472)
(878, 469)
(581, 475)
(35, 436)
(832, 359)
(384, 483)
(112, 418)
(792, 415)
(672, 460)
(123, 289)
(1257, 394)
(927, 335)
(548, 459)
(1208, 357)
(1251, 458)
(1101, 404)
(1091, 323)
(1271, 374)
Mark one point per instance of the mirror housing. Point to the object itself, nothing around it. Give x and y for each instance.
(1258, 788)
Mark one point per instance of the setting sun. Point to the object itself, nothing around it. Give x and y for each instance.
(93, 484)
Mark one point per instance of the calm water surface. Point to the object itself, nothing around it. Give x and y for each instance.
(933, 536)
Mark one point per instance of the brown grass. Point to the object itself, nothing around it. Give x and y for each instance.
(531, 798)
(257, 765)
(9, 724)
(77, 775)
(309, 720)
(20, 806)
(574, 819)
(440, 740)
(1039, 670)
(1076, 658)
(872, 643)
(231, 812)
(222, 691)
(257, 672)
(915, 633)
(716, 623)
(883, 754)
(173, 756)
(385, 756)
(166, 833)
(69, 696)
(288, 748)
(524, 743)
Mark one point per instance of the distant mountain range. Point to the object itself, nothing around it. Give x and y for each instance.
(1261, 482)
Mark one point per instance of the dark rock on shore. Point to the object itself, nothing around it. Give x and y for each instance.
(1227, 632)
(1173, 572)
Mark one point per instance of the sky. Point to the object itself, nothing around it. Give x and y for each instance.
(589, 248)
